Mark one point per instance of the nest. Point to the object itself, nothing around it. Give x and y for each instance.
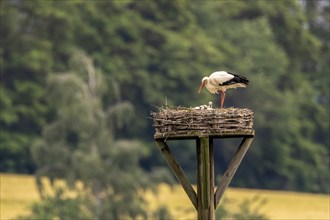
(179, 121)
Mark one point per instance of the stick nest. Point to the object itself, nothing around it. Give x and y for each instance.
(176, 121)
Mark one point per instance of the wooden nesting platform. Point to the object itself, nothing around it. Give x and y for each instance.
(180, 122)
(204, 124)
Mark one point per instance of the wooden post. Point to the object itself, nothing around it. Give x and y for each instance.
(212, 202)
(205, 178)
(205, 203)
(205, 164)
(199, 180)
(205, 200)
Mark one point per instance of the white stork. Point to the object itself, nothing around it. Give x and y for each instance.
(220, 81)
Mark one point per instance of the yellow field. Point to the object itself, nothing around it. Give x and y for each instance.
(18, 191)
(280, 205)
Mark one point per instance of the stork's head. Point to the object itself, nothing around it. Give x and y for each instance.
(205, 80)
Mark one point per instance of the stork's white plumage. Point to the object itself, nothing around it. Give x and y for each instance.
(220, 81)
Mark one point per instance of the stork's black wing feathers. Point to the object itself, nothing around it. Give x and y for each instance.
(236, 79)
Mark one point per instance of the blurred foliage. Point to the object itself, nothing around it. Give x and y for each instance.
(79, 145)
(248, 209)
(59, 206)
(149, 50)
(62, 206)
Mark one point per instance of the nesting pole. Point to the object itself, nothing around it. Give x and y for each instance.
(204, 125)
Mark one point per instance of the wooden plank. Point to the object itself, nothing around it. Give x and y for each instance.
(212, 209)
(232, 168)
(180, 175)
(237, 134)
(205, 172)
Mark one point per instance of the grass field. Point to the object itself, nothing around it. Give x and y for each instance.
(18, 191)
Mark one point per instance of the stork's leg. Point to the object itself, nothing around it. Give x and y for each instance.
(223, 95)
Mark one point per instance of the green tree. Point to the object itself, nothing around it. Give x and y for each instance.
(269, 44)
(248, 209)
(34, 37)
(152, 50)
(60, 206)
(80, 145)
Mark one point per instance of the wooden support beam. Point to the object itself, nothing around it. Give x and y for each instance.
(174, 165)
(212, 207)
(232, 168)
